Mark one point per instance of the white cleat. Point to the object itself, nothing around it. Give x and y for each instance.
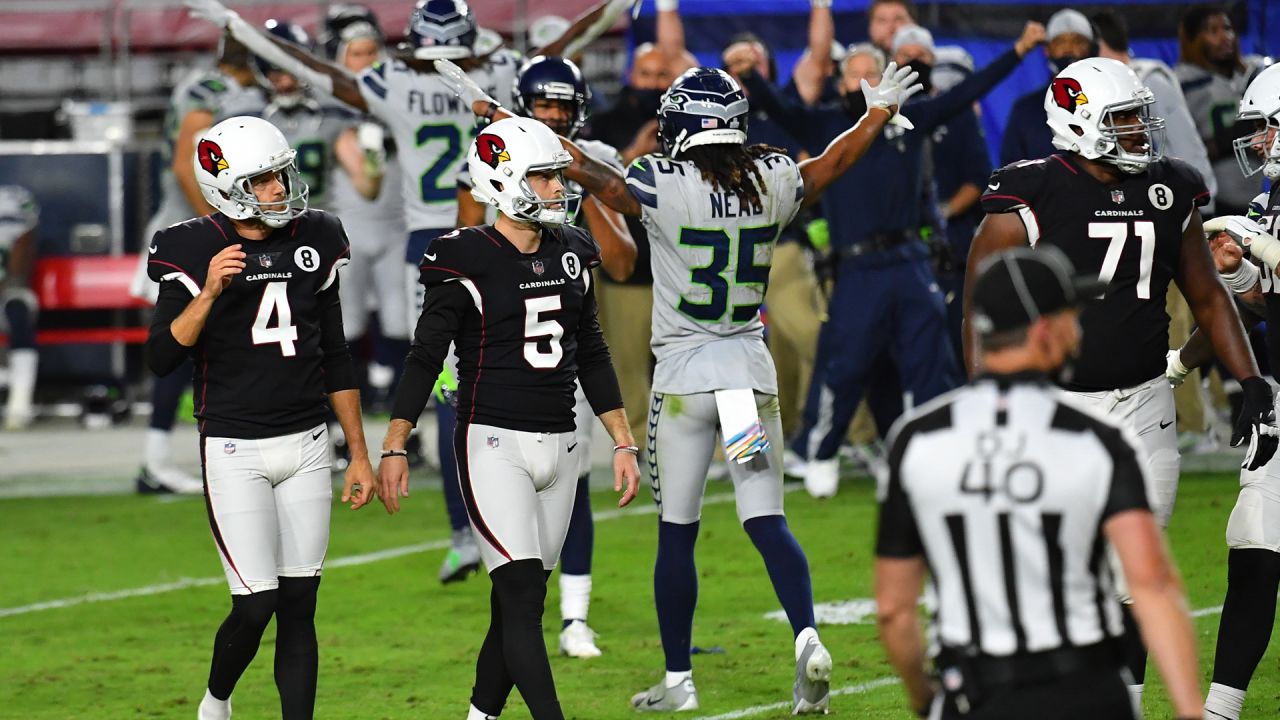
(822, 477)
(661, 698)
(812, 691)
(793, 465)
(153, 479)
(212, 708)
(579, 640)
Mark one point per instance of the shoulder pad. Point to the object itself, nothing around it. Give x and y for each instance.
(325, 231)
(461, 253)
(641, 181)
(181, 252)
(582, 244)
(1015, 186)
(1186, 181)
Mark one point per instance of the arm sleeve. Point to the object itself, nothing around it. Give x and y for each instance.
(595, 366)
(1128, 482)
(445, 307)
(897, 535)
(641, 183)
(164, 352)
(930, 113)
(339, 371)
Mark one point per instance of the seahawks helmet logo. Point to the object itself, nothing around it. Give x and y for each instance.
(210, 156)
(1068, 94)
(492, 150)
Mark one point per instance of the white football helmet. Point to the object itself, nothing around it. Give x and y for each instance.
(235, 151)
(1261, 106)
(1079, 106)
(500, 161)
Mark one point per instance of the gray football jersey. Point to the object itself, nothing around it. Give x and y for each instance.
(202, 89)
(19, 215)
(1213, 101)
(711, 255)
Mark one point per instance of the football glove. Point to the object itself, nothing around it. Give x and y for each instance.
(1257, 423)
(211, 11)
(1174, 371)
(370, 136)
(1249, 235)
(461, 84)
(896, 86)
(446, 388)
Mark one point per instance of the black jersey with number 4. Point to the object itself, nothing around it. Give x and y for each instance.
(524, 325)
(272, 347)
(1129, 233)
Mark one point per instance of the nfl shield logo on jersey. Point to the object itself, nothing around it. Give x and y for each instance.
(266, 260)
(1117, 197)
(229, 448)
(493, 441)
(537, 266)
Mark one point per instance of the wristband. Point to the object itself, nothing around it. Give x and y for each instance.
(820, 3)
(627, 448)
(1243, 279)
(492, 110)
(394, 453)
(667, 5)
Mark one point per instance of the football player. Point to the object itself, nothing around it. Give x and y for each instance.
(250, 293)
(516, 298)
(19, 215)
(1253, 531)
(553, 91)
(1117, 208)
(708, 202)
(197, 100)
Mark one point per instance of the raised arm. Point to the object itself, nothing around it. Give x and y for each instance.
(601, 180)
(363, 165)
(815, 64)
(329, 78)
(938, 110)
(589, 26)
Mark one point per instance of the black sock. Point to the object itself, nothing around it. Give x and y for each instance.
(521, 586)
(297, 654)
(1247, 615)
(1135, 651)
(493, 682)
(237, 640)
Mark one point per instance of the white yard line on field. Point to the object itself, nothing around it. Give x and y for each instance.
(348, 561)
(758, 709)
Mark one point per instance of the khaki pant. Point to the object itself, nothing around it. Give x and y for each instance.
(626, 317)
(1189, 397)
(796, 311)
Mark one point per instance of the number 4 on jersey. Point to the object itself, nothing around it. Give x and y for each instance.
(275, 300)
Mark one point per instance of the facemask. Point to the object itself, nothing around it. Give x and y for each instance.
(926, 73)
(854, 103)
(1058, 64)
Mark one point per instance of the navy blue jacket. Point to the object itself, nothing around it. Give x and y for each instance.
(960, 157)
(1026, 134)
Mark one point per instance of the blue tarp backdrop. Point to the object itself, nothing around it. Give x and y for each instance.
(985, 29)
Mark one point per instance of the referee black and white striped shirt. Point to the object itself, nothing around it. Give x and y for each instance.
(1004, 486)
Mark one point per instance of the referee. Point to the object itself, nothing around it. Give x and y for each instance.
(1008, 492)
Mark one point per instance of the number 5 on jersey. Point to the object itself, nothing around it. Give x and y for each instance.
(275, 301)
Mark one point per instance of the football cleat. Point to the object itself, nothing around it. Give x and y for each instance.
(812, 691)
(661, 698)
(579, 640)
(822, 477)
(462, 559)
(212, 708)
(157, 480)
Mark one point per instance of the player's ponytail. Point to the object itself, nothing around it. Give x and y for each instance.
(732, 168)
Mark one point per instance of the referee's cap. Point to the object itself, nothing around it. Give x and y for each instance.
(1017, 286)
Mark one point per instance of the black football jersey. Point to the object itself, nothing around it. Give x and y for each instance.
(1129, 233)
(1265, 208)
(524, 325)
(272, 347)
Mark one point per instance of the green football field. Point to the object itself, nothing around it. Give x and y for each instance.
(109, 605)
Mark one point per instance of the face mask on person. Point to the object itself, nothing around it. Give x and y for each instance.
(1058, 64)
(855, 103)
(926, 74)
(646, 101)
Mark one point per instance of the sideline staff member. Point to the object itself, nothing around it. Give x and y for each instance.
(1014, 531)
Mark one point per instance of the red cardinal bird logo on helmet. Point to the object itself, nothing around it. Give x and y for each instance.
(492, 149)
(210, 156)
(1068, 93)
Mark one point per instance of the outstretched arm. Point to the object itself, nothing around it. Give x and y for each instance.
(589, 26)
(601, 180)
(815, 65)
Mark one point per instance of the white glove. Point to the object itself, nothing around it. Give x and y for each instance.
(370, 137)
(896, 86)
(461, 84)
(1174, 371)
(211, 11)
(1248, 234)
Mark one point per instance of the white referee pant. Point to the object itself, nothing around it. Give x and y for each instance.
(519, 489)
(269, 502)
(1255, 520)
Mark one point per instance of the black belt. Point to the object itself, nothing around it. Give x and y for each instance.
(877, 242)
(1037, 667)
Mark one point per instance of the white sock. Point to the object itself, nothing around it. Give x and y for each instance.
(675, 678)
(1135, 698)
(211, 708)
(1224, 701)
(575, 596)
(158, 448)
(476, 714)
(803, 639)
(22, 380)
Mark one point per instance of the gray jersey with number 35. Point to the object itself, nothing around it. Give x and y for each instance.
(711, 255)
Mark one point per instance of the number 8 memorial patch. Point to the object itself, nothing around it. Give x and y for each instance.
(306, 258)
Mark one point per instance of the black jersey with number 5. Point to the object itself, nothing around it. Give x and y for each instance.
(524, 325)
(1129, 233)
(272, 347)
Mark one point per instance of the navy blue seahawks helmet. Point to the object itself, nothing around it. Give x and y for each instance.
(553, 78)
(346, 22)
(705, 106)
(292, 33)
(441, 29)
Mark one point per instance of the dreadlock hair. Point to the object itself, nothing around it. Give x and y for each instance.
(732, 168)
